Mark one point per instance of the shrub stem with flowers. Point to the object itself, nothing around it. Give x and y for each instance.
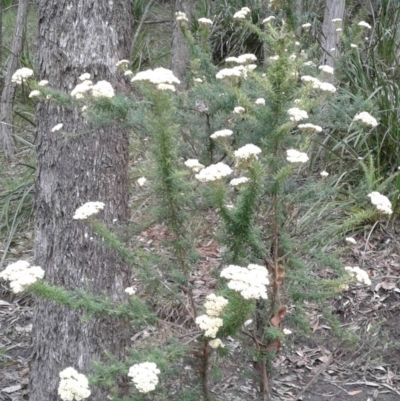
(256, 132)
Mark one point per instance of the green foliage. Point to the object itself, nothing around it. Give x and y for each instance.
(16, 206)
(371, 72)
(136, 311)
(280, 218)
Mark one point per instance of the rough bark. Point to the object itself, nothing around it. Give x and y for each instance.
(1, 33)
(73, 167)
(179, 48)
(7, 96)
(330, 37)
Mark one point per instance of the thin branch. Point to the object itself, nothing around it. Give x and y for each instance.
(164, 21)
(317, 374)
(142, 20)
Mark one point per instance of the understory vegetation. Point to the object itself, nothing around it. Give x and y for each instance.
(262, 153)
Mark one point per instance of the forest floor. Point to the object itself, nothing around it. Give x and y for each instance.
(316, 367)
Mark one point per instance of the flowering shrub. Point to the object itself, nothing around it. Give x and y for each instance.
(204, 131)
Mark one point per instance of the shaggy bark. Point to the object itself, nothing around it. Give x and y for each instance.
(330, 37)
(1, 32)
(179, 49)
(72, 167)
(7, 96)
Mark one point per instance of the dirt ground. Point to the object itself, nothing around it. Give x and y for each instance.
(319, 367)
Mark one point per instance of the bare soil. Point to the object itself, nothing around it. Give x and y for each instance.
(313, 368)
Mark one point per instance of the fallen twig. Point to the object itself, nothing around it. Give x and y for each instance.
(314, 379)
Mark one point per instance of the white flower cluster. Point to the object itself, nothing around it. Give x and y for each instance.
(260, 101)
(250, 281)
(309, 64)
(306, 26)
(88, 209)
(359, 274)
(57, 127)
(73, 385)
(162, 77)
(34, 93)
(166, 87)
(122, 63)
(209, 325)
(311, 128)
(326, 69)
(239, 71)
(82, 88)
(243, 59)
(204, 21)
(247, 153)
(324, 174)
(181, 16)
(238, 181)
(364, 24)
(216, 343)
(366, 119)
(214, 172)
(21, 275)
(297, 114)
(274, 58)
(102, 89)
(84, 77)
(43, 82)
(324, 87)
(223, 133)
(215, 305)
(269, 19)
(381, 202)
(141, 181)
(144, 376)
(238, 110)
(242, 14)
(294, 156)
(21, 75)
(130, 291)
(194, 165)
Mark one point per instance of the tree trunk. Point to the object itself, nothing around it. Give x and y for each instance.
(7, 96)
(72, 168)
(179, 48)
(1, 35)
(330, 37)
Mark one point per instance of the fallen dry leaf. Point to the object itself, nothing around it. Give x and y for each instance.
(354, 392)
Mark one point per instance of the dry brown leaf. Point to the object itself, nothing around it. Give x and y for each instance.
(276, 320)
(354, 392)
